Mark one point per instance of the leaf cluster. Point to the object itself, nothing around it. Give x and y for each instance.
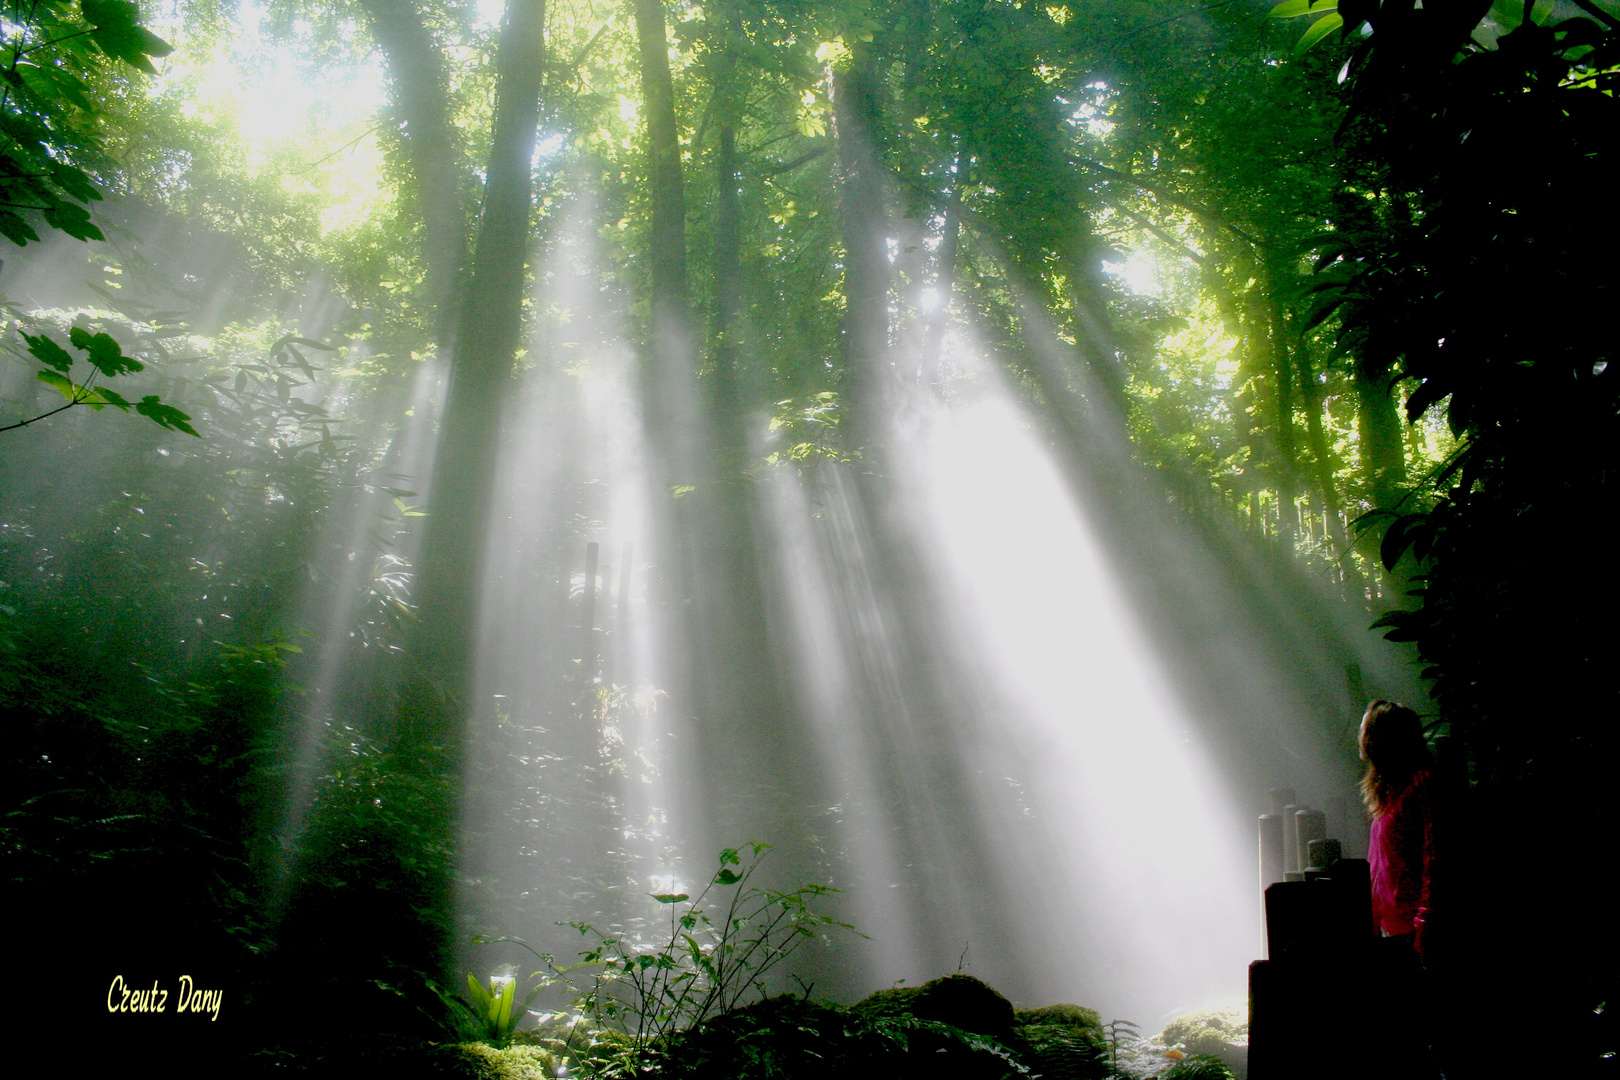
(717, 954)
(47, 103)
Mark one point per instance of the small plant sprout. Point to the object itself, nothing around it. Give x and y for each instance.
(495, 1007)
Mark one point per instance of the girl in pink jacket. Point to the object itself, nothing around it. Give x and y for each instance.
(1400, 790)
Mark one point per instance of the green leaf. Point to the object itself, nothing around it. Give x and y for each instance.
(72, 219)
(118, 33)
(152, 45)
(64, 386)
(312, 343)
(104, 352)
(118, 401)
(503, 1011)
(727, 877)
(42, 347)
(669, 898)
(1291, 9)
(1396, 540)
(164, 415)
(15, 229)
(480, 995)
(76, 182)
(56, 82)
(1320, 29)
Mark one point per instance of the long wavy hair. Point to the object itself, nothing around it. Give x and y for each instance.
(1395, 750)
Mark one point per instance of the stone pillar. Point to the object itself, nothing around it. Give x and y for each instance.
(1321, 855)
(1271, 849)
(1308, 825)
(1290, 819)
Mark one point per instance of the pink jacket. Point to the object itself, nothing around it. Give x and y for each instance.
(1401, 851)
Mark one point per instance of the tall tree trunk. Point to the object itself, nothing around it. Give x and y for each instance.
(415, 905)
(487, 340)
(667, 375)
(432, 146)
(1287, 450)
(1323, 467)
(727, 300)
(863, 224)
(1383, 462)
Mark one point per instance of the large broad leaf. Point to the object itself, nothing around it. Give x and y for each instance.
(1320, 29)
(15, 229)
(1426, 395)
(116, 30)
(104, 352)
(480, 995)
(75, 182)
(72, 219)
(164, 415)
(503, 1005)
(116, 400)
(1293, 9)
(42, 347)
(66, 387)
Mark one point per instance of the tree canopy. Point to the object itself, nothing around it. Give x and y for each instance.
(1337, 273)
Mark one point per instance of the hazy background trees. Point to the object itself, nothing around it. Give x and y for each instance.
(1346, 303)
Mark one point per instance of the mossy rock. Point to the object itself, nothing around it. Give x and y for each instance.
(1073, 1015)
(961, 1001)
(893, 1035)
(782, 1038)
(1062, 1042)
(479, 1061)
(1198, 1067)
(1222, 1034)
(895, 1001)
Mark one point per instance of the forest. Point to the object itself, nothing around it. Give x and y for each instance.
(465, 463)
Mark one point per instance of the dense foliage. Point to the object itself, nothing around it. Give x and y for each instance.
(1346, 300)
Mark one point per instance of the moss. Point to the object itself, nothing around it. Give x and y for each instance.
(1210, 1027)
(958, 1000)
(956, 1027)
(1063, 1042)
(504, 1063)
(1073, 1015)
(780, 1037)
(1221, 1034)
(895, 1001)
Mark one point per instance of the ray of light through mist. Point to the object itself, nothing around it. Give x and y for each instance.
(1006, 778)
(1116, 870)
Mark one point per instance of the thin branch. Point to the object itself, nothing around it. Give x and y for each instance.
(1598, 13)
(788, 167)
(339, 150)
(1174, 200)
(1157, 231)
(46, 44)
(41, 416)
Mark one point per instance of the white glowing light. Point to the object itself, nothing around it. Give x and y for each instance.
(1140, 272)
(1077, 773)
(1153, 860)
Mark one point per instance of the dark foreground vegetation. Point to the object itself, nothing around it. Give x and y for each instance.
(1380, 361)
